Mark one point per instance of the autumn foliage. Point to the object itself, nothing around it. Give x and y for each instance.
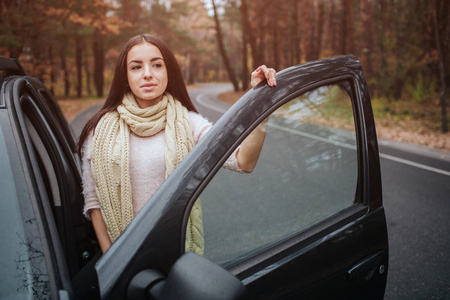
(72, 45)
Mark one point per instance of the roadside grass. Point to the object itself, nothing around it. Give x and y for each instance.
(416, 122)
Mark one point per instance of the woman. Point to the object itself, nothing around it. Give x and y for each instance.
(145, 128)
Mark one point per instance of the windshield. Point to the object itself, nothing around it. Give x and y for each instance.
(23, 271)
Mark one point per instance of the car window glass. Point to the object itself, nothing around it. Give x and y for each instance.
(57, 116)
(61, 182)
(45, 164)
(24, 274)
(307, 172)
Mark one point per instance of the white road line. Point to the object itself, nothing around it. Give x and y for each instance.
(199, 99)
(314, 137)
(414, 164)
(351, 147)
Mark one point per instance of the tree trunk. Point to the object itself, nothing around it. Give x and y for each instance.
(310, 49)
(79, 64)
(187, 69)
(343, 35)
(250, 35)
(366, 17)
(223, 52)
(245, 71)
(87, 71)
(332, 29)
(275, 42)
(246, 27)
(442, 75)
(52, 69)
(382, 29)
(399, 55)
(350, 16)
(193, 71)
(99, 63)
(319, 30)
(260, 27)
(295, 34)
(62, 55)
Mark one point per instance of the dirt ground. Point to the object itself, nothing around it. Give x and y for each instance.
(73, 106)
(412, 131)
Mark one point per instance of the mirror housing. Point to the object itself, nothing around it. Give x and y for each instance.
(191, 277)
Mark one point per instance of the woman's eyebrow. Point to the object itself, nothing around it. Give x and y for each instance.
(138, 61)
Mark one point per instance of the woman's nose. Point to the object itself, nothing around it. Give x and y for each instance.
(147, 73)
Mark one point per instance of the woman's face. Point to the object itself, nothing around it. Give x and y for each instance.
(146, 73)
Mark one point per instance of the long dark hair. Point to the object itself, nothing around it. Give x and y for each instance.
(119, 86)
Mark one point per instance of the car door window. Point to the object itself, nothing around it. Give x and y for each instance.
(307, 172)
(59, 170)
(24, 272)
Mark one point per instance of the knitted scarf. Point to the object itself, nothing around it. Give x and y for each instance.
(110, 159)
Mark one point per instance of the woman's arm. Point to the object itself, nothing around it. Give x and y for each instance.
(248, 154)
(100, 230)
(92, 206)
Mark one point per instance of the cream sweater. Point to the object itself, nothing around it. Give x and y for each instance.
(147, 165)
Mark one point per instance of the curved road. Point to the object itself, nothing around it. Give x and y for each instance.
(206, 101)
(416, 191)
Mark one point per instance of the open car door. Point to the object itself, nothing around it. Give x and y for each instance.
(309, 221)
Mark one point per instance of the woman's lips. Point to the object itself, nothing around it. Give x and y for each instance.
(148, 86)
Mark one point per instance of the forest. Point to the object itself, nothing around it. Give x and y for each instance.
(72, 45)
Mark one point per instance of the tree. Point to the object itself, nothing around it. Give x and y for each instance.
(403, 45)
(367, 36)
(79, 65)
(16, 19)
(99, 62)
(295, 32)
(333, 41)
(442, 49)
(223, 53)
(64, 67)
(248, 32)
(311, 29)
(245, 71)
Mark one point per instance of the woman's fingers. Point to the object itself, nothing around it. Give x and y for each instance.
(270, 75)
(263, 72)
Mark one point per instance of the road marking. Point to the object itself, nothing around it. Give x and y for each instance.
(314, 137)
(199, 99)
(351, 147)
(414, 164)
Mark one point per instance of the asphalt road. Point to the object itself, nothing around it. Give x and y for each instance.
(416, 192)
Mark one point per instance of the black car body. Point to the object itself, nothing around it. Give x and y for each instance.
(309, 223)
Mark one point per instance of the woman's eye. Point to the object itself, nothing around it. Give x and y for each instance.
(135, 67)
(158, 65)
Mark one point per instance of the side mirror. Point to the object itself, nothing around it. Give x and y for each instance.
(191, 277)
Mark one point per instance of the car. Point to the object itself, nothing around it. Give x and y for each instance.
(307, 223)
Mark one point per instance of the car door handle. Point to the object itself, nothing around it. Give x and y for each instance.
(368, 266)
